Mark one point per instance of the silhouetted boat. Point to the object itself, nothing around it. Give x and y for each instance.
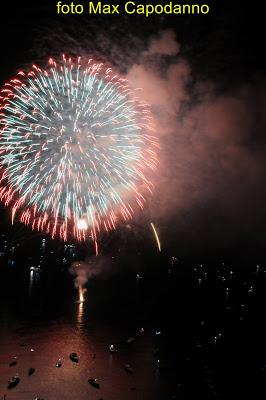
(31, 371)
(93, 382)
(13, 362)
(74, 357)
(128, 369)
(13, 382)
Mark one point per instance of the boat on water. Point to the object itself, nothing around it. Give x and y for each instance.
(74, 357)
(131, 340)
(35, 268)
(93, 382)
(128, 368)
(31, 371)
(112, 349)
(14, 381)
(59, 363)
(13, 362)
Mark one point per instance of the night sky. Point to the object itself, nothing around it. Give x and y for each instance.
(210, 187)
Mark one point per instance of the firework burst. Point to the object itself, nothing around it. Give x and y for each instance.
(77, 149)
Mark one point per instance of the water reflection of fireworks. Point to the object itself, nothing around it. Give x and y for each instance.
(80, 314)
(81, 301)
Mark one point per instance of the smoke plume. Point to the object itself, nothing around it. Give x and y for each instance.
(90, 268)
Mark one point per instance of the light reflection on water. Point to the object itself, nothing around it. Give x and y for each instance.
(33, 281)
(80, 314)
(53, 340)
(191, 333)
(52, 333)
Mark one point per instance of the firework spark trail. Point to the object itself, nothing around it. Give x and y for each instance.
(156, 236)
(76, 148)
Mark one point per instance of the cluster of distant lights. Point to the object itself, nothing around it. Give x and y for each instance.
(68, 254)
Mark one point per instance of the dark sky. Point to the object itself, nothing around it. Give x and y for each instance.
(225, 52)
(230, 37)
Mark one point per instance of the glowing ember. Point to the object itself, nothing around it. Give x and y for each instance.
(156, 236)
(82, 224)
(81, 295)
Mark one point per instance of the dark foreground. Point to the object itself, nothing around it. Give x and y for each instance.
(198, 331)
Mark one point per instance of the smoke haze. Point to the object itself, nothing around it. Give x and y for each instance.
(90, 268)
(212, 161)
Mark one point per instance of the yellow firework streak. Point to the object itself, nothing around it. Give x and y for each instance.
(156, 236)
